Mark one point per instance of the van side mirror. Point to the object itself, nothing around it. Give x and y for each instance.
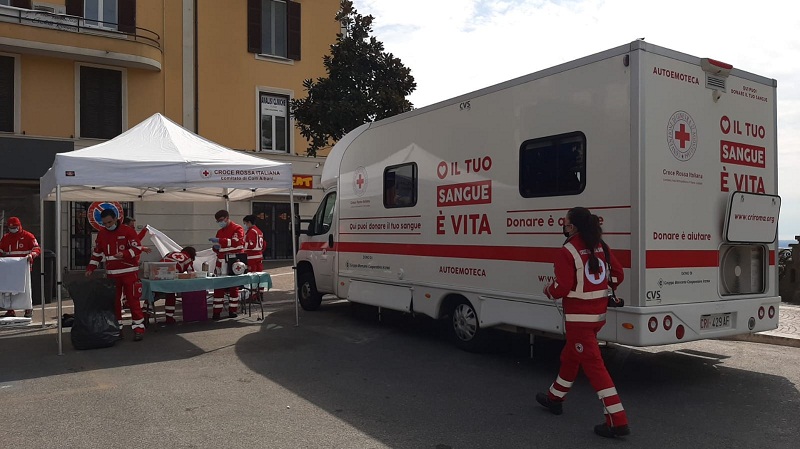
(298, 225)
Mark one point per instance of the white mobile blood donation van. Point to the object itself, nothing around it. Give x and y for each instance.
(455, 210)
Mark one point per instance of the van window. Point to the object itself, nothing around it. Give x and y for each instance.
(400, 186)
(553, 166)
(324, 217)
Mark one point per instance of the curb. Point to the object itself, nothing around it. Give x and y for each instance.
(766, 339)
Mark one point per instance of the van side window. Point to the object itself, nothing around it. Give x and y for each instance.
(324, 216)
(400, 186)
(553, 166)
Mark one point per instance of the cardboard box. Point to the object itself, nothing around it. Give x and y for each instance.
(160, 271)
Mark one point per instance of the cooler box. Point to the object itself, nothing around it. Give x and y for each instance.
(194, 306)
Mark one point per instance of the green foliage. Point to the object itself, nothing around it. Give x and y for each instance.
(364, 84)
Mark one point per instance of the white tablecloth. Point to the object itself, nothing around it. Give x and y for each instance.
(15, 283)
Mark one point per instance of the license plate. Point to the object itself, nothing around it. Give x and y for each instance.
(715, 321)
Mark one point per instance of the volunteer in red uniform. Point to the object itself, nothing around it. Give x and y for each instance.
(184, 260)
(253, 244)
(229, 240)
(582, 280)
(131, 222)
(119, 246)
(18, 242)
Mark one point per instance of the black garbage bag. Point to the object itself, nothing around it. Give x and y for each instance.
(94, 324)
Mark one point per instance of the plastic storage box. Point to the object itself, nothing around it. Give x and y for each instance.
(160, 271)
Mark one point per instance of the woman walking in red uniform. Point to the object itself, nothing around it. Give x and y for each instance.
(582, 279)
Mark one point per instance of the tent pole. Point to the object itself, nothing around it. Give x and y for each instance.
(41, 256)
(294, 259)
(58, 262)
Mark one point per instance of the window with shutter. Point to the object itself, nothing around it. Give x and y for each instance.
(6, 94)
(273, 28)
(100, 102)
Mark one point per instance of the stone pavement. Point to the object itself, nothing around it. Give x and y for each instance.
(787, 333)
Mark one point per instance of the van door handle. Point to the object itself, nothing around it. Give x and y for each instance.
(330, 240)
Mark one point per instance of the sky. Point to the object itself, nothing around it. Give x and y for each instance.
(457, 46)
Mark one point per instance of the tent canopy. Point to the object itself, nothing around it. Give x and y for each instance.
(158, 160)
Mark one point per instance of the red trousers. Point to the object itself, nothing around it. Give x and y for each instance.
(582, 351)
(219, 300)
(129, 287)
(255, 266)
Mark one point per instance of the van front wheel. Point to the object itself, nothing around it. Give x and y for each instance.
(310, 298)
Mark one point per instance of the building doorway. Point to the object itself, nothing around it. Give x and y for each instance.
(275, 221)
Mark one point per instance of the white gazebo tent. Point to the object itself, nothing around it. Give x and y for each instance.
(157, 160)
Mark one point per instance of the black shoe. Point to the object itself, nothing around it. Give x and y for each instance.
(232, 315)
(28, 313)
(610, 432)
(137, 336)
(554, 407)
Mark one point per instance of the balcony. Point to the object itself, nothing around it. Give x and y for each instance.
(44, 33)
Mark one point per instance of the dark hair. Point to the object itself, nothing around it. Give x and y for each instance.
(108, 213)
(222, 213)
(128, 220)
(249, 218)
(190, 251)
(588, 226)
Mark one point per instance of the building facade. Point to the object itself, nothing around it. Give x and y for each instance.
(74, 73)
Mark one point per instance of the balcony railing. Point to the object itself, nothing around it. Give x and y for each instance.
(74, 24)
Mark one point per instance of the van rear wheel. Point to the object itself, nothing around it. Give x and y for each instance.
(465, 330)
(310, 298)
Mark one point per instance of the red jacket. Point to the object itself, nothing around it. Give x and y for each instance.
(231, 241)
(20, 244)
(108, 243)
(254, 244)
(585, 294)
(183, 263)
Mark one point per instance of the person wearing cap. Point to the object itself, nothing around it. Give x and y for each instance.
(18, 242)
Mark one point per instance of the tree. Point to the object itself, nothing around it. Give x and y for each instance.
(364, 84)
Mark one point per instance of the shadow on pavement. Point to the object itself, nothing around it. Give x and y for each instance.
(374, 376)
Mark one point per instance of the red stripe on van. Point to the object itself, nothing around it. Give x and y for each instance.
(682, 258)
(654, 258)
(510, 253)
(707, 258)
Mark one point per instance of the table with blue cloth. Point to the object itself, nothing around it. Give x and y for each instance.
(253, 282)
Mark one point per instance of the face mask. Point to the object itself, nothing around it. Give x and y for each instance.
(13, 230)
(112, 227)
(222, 223)
(246, 227)
(564, 230)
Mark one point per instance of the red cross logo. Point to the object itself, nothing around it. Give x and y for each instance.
(682, 135)
(360, 181)
(205, 173)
